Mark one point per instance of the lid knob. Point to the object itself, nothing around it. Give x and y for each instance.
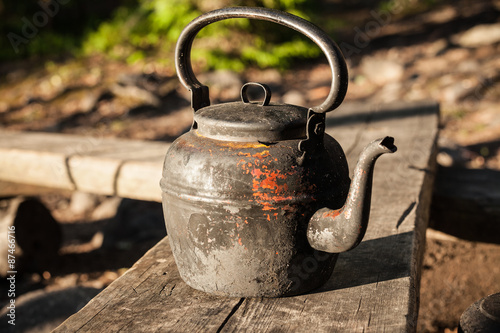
(265, 87)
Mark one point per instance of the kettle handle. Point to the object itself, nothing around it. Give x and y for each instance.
(199, 92)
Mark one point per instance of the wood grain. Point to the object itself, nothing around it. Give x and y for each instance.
(374, 287)
(126, 168)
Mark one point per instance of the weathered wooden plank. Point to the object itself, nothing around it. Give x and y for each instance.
(151, 297)
(90, 164)
(8, 189)
(374, 287)
(94, 175)
(35, 167)
(474, 195)
(107, 172)
(140, 179)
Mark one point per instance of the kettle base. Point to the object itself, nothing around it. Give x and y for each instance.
(230, 275)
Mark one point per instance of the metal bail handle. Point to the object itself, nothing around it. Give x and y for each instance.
(199, 92)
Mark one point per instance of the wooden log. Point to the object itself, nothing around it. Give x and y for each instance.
(28, 233)
(466, 204)
(374, 287)
(127, 168)
(10, 189)
(140, 179)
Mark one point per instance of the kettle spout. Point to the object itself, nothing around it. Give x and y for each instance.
(343, 229)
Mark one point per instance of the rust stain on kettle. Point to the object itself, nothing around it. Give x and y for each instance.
(269, 185)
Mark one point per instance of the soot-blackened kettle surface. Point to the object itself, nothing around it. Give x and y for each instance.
(257, 198)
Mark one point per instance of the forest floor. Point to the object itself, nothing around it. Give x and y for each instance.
(450, 54)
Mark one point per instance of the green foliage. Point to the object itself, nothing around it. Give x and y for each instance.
(153, 27)
(280, 55)
(138, 30)
(47, 27)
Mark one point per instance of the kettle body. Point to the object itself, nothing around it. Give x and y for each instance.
(237, 213)
(257, 198)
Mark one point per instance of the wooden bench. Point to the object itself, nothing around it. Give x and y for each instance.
(34, 163)
(374, 288)
(125, 168)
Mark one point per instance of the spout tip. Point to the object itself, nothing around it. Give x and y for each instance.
(388, 144)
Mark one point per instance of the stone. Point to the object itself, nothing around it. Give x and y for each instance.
(106, 209)
(294, 97)
(468, 66)
(452, 93)
(381, 71)
(76, 100)
(431, 66)
(438, 47)
(135, 96)
(269, 76)
(479, 35)
(82, 202)
(224, 84)
(153, 83)
(457, 55)
(451, 154)
(390, 92)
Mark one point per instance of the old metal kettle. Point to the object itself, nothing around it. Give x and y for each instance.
(257, 198)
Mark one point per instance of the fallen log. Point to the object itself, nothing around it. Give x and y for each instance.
(466, 204)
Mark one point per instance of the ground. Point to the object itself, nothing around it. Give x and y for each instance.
(449, 53)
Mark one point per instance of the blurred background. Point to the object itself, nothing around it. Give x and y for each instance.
(106, 69)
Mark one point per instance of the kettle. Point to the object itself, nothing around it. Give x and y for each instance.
(256, 197)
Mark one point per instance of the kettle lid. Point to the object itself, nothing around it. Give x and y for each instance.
(247, 121)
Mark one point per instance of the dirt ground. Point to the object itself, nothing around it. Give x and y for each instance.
(427, 55)
(456, 273)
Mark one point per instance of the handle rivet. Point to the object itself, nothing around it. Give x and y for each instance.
(319, 129)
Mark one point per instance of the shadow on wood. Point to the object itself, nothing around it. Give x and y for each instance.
(382, 113)
(372, 261)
